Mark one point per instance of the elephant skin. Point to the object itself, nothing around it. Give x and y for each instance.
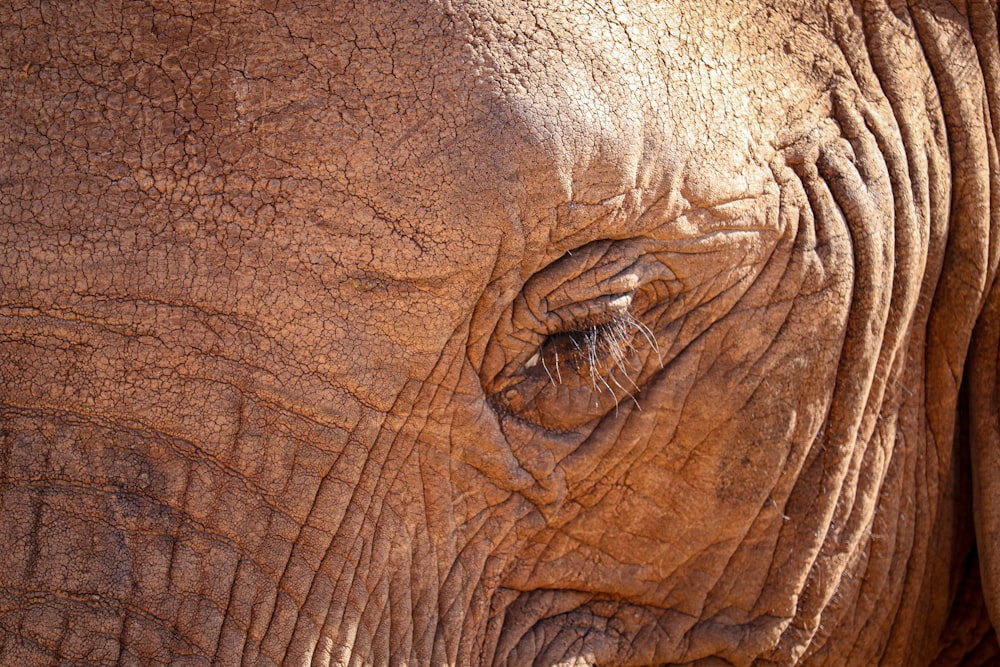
(614, 333)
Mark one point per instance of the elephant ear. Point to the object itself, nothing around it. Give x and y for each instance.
(982, 378)
(978, 212)
(959, 40)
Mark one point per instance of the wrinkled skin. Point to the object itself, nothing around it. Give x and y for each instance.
(617, 333)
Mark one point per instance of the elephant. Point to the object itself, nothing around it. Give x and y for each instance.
(420, 332)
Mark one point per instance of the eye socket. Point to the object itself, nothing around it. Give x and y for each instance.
(592, 329)
(577, 343)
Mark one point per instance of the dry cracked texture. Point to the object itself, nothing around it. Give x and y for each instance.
(499, 333)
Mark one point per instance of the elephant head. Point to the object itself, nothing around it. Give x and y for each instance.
(499, 333)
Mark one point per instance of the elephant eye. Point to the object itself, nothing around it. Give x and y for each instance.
(598, 353)
(574, 345)
(580, 372)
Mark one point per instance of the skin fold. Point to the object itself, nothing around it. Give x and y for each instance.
(622, 333)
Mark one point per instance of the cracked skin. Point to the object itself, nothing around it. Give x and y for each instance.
(618, 333)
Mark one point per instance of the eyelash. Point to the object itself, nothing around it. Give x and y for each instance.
(611, 340)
